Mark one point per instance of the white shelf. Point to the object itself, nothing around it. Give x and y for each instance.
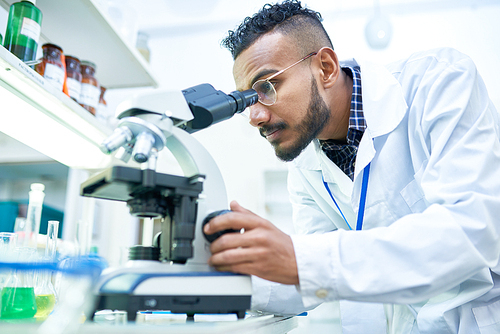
(37, 114)
(78, 27)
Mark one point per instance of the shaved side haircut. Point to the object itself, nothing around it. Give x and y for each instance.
(288, 18)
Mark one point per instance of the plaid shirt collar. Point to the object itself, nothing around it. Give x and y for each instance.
(342, 154)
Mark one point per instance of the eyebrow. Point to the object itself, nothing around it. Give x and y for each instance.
(262, 73)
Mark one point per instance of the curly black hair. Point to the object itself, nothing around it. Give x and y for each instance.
(287, 17)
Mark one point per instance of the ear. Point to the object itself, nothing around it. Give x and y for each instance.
(329, 67)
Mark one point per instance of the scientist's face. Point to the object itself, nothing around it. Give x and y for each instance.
(299, 113)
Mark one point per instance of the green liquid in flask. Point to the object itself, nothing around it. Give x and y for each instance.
(44, 305)
(18, 303)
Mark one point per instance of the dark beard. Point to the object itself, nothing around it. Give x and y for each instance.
(315, 120)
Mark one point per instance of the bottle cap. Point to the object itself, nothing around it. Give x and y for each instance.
(88, 63)
(37, 186)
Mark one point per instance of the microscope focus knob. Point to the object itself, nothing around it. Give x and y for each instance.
(212, 237)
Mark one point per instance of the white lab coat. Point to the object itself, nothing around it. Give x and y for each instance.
(430, 243)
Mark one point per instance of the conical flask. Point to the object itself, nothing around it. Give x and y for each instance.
(45, 293)
(18, 293)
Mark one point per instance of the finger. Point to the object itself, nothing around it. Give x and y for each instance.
(233, 256)
(235, 206)
(240, 268)
(251, 238)
(232, 220)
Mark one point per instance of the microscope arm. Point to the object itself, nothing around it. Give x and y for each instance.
(151, 121)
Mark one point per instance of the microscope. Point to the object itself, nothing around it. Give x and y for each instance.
(173, 274)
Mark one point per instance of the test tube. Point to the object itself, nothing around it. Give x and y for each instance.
(51, 247)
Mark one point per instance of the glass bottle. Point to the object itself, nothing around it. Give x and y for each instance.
(52, 66)
(89, 96)
(74, 77)
(45, 293)
(23, 30)
(102, 108)
(142, 45)
(34, 214)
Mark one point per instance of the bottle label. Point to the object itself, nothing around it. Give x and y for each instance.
(89, 95)
(74, 88)
(31, 29)
(55, 75)
(102, 112)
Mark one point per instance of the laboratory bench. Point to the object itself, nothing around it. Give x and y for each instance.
(156, 323)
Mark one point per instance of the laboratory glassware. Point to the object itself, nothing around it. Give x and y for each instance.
(45, 293)
(23, 30)
(34, 214)
(18, 294)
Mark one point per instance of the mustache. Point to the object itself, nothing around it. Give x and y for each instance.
(267, 129)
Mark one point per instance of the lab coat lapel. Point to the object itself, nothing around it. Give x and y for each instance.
(384, 107)
(313, 158)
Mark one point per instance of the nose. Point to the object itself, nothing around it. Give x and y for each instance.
(259, 115)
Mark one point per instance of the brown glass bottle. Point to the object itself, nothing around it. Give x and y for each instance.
(102, 109)
(52, 66)
(73, 77)
(89, 95)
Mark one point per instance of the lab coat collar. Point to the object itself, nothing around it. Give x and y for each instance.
(382, 94)
(313, 158)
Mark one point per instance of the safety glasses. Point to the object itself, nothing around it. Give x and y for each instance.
(265, 88)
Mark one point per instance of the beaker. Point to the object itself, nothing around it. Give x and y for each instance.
(45, 293)
(18, 293)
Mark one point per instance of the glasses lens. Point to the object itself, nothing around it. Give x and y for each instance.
(266, 92)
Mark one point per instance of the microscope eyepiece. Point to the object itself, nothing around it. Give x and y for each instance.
(210, 106)
(244, 99)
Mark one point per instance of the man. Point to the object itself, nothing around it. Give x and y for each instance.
(394, 178)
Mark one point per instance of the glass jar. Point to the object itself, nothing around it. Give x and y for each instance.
(73, 77)
(89, 96)
(52, 66)
(23, 30)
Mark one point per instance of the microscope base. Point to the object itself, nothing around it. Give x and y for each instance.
(176, 304)
(186, 289)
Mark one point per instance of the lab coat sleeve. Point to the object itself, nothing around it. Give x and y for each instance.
(275, 298)
(286, 299)
(455, 239)
(308, 217)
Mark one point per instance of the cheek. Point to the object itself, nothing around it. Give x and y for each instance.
(292, 103)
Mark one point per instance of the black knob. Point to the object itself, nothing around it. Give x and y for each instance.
(144, 253)
(212, 237)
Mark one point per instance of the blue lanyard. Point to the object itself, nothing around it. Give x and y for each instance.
(362, 199)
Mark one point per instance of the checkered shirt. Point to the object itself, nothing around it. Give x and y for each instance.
(343, 153)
